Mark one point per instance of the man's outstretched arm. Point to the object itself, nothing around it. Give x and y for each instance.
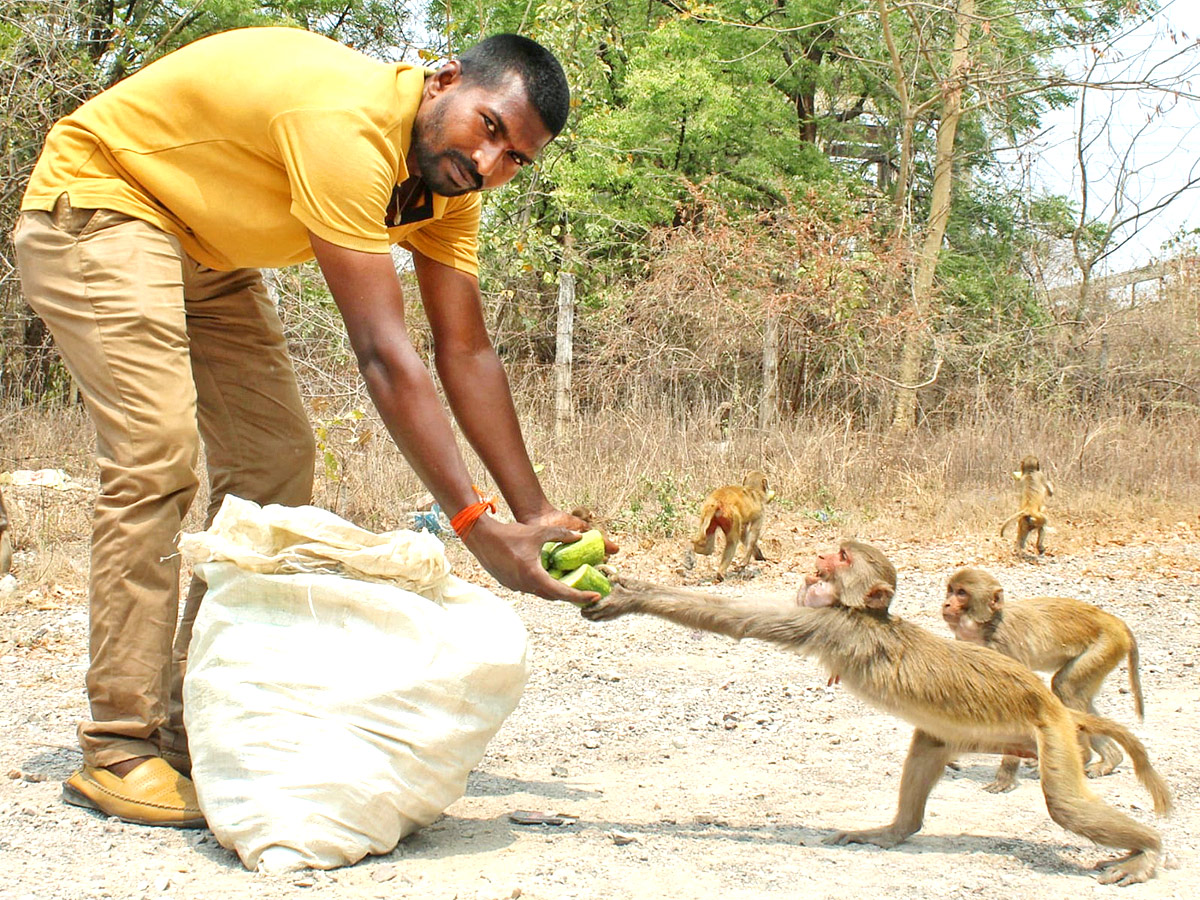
(478, 391)
(368, 295)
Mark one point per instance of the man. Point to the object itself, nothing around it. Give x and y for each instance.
(142, 232)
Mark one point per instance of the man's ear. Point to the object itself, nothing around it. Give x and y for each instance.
(445, 77)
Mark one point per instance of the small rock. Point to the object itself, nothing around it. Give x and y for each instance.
(161, 883)
(383, 873)
(621, 838)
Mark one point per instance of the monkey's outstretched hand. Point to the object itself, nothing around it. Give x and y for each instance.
(625, 591)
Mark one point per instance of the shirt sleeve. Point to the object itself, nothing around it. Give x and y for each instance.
(452, 240)
(341, 173)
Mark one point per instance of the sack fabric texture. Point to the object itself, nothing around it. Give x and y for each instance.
(341, 684)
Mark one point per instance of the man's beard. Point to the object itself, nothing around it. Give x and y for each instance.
(430, 160)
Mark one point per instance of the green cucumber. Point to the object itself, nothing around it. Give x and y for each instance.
(587, 578)
(588, 550)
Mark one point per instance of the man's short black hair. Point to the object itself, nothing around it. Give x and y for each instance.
(493, 59)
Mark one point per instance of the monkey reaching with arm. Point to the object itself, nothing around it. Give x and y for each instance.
(961, 697)
(1078, 642)
(1035, 490)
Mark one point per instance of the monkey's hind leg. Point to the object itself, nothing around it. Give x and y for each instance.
(1006, 776)
(923, 767)
(731, 543)
(1107, 749)
(751, 539)
(1073, 806)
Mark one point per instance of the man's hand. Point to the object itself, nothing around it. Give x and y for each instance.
(511, 553)
(556, 517)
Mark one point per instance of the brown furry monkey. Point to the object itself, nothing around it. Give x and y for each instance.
(6, 547)
(1035, 490)
(737, 512)
(961, 697)
(1078, 642)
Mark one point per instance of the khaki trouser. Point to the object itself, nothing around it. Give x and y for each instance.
(164, 351)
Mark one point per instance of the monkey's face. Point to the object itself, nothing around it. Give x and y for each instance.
(973, 597)
(828, 564)
(957, 600)
(855, 575)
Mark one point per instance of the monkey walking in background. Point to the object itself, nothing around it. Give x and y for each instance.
(1035, 490)
(737, 512)
(961, 697)
(6, 549)
(1078, 642)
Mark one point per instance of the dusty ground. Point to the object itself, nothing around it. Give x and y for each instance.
(694, 766)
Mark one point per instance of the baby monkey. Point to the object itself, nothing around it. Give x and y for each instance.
(1036, 489)
(961, 697)
(737, 512)
(1078, 642)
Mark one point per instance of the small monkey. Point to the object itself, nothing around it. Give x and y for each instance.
(1078, 642)
(961, 697)
(737, 512)
(1035, 490)
(6, 549)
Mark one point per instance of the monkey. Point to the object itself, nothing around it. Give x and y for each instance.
(737, 511)
(1035, 490)
(6, 549)
(1078, 642)
(960, 696)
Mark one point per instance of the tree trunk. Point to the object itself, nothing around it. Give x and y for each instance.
(769, 400)
(915, 340)
(563, 351)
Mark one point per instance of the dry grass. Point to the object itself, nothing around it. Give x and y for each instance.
(645, 467)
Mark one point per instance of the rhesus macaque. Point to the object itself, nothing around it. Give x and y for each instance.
(1035, 490)
(961, 697)
(737, 512)
(6, 550)
(1078, 642)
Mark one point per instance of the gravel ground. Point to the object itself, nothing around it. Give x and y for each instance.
(687, 765)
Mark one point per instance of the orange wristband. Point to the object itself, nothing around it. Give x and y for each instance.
(464, 520)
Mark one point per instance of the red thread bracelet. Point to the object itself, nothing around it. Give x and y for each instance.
(464, 520)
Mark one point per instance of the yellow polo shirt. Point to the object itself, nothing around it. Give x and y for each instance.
(241, 142)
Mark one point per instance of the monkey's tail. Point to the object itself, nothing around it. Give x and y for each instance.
(1135, 678)
(1145, 772)
(1009, 521)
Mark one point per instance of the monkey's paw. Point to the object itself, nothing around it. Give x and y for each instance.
(1101, 768)
(1135, 868)
(1001, 786)
(885, 837)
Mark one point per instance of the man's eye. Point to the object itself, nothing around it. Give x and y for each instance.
(490, 125)
(518, 159)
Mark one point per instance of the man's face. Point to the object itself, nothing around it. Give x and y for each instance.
(469, 138)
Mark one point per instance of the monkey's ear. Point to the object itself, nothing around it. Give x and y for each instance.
(879, 596)
(997, 601)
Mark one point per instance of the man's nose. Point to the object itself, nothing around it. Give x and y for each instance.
(486, 158)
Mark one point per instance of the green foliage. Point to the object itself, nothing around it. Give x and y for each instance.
(655, 506)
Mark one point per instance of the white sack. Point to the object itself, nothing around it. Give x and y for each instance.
(328, 715)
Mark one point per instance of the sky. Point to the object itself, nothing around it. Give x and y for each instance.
(1165, 147)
